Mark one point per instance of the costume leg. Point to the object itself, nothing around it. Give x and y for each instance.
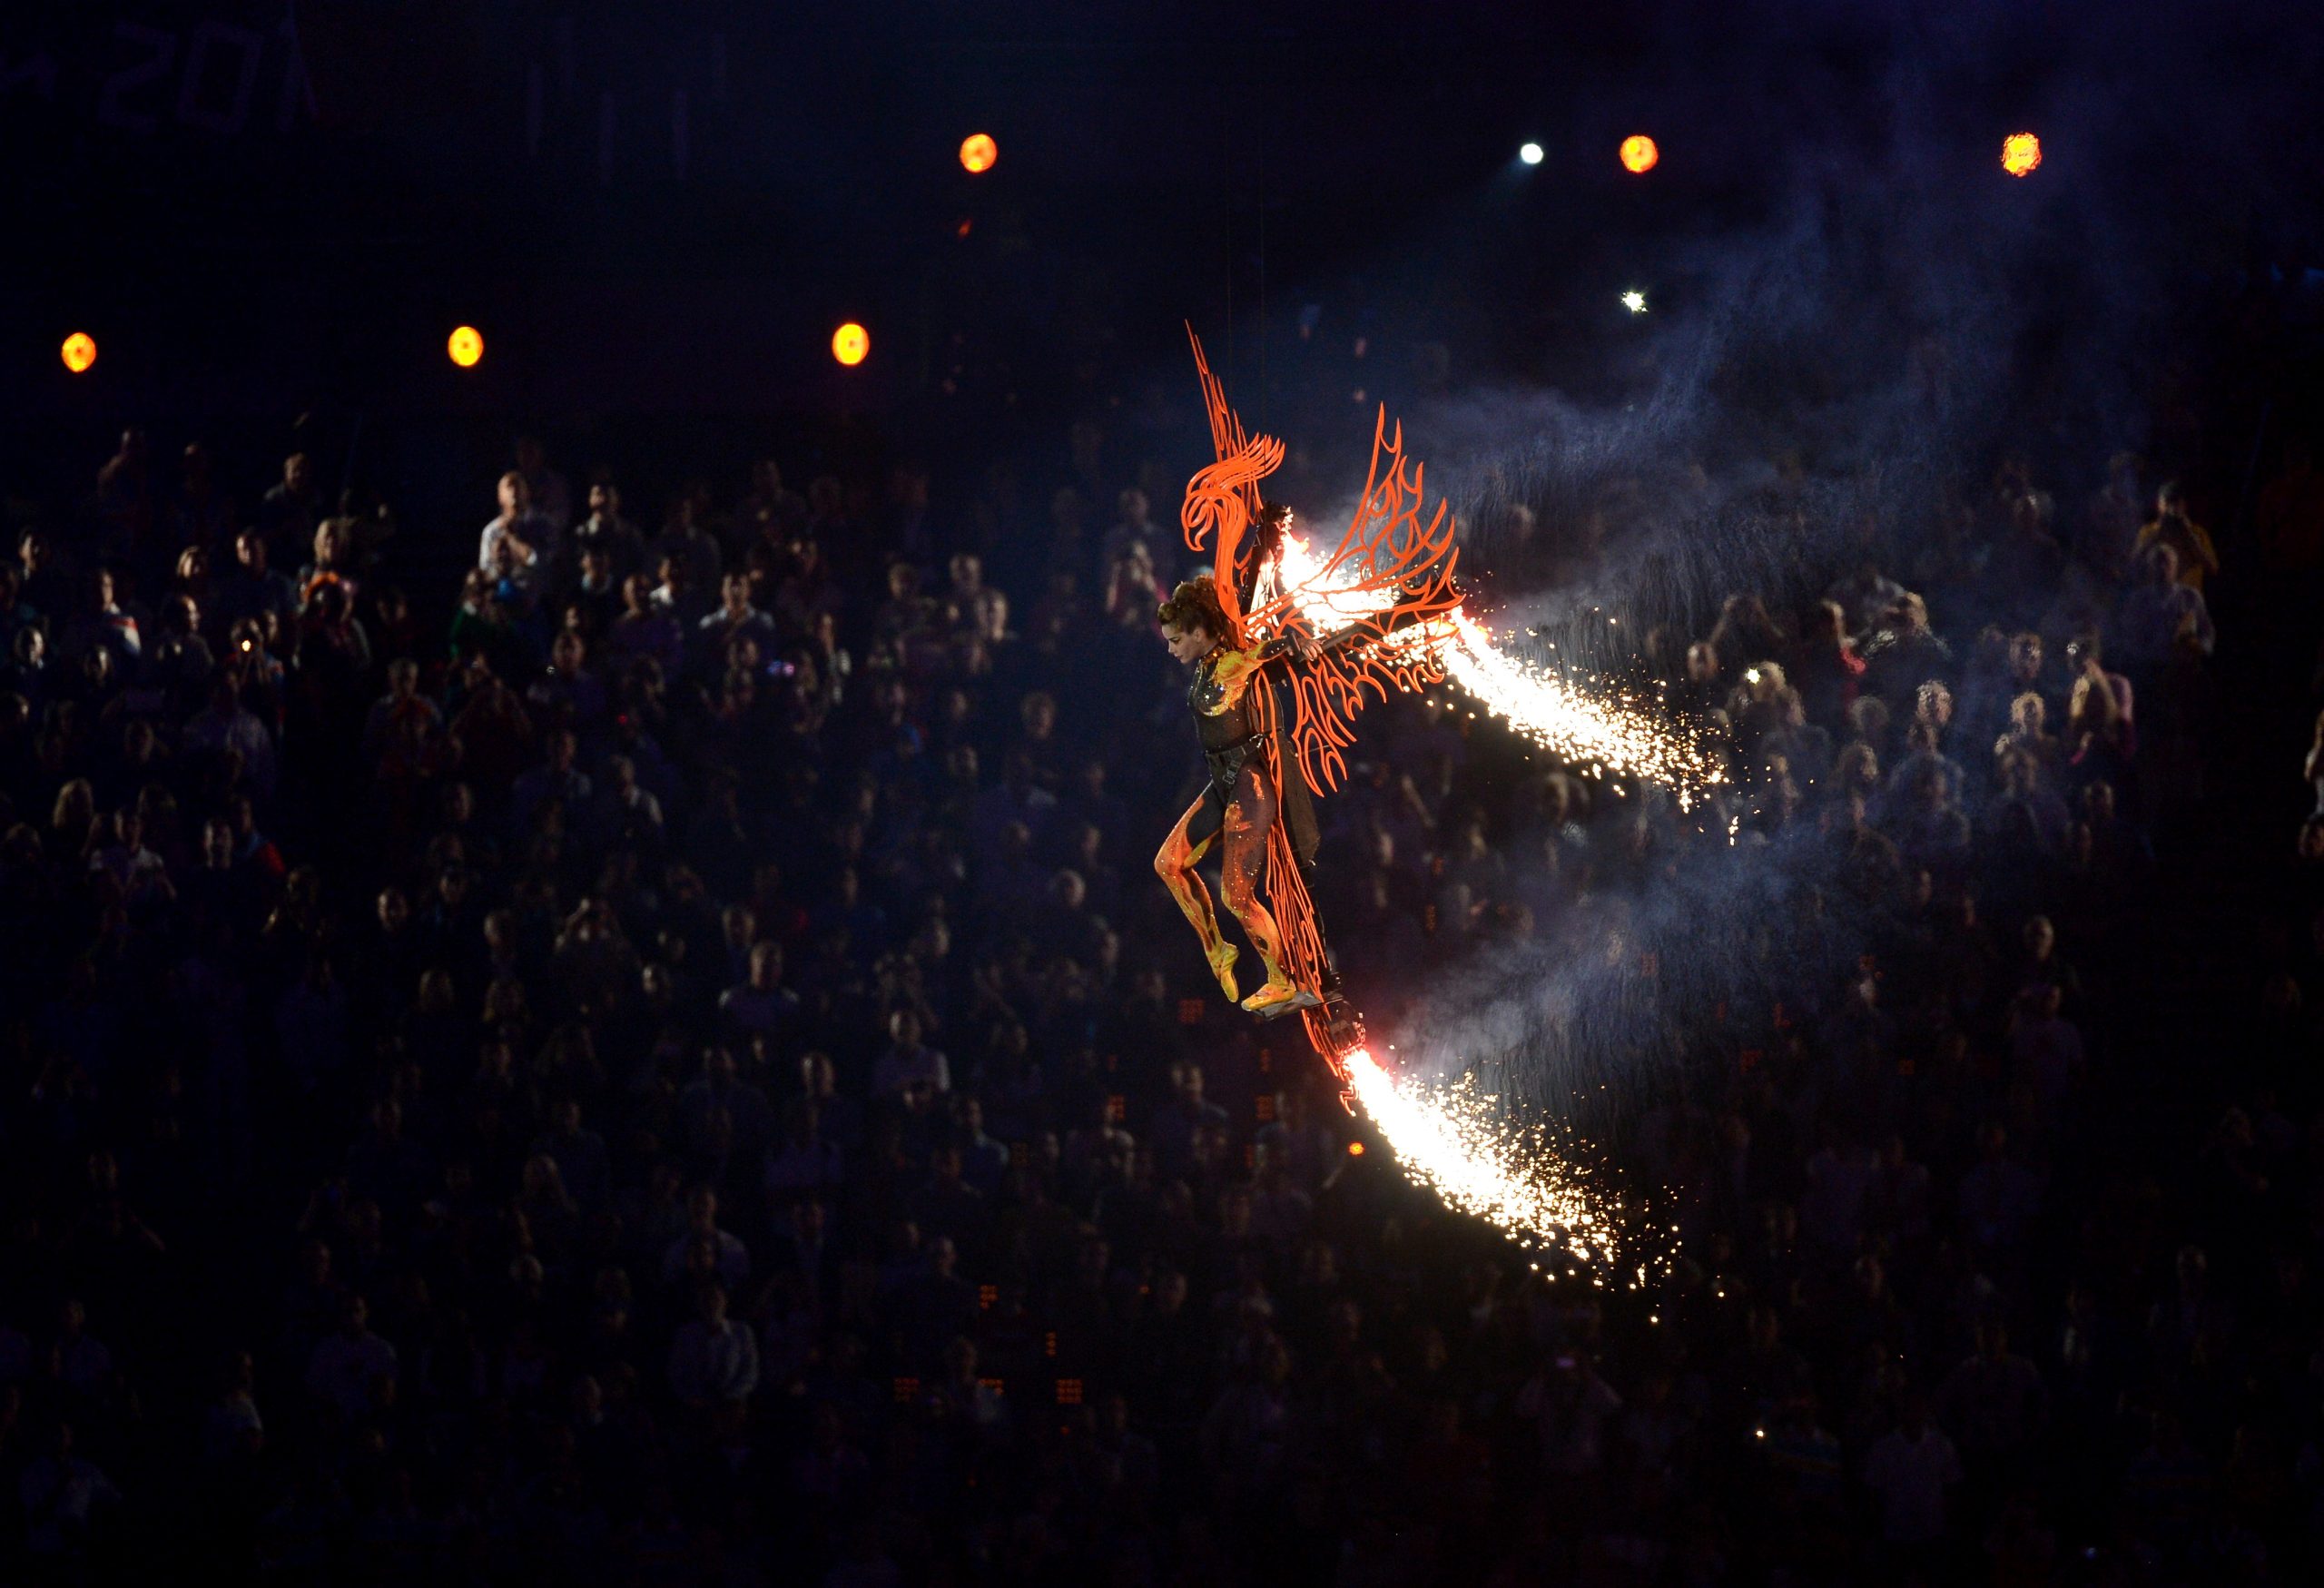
(1250, 820)
(1175, 863)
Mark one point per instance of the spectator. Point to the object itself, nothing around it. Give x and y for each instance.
(761, 1005)
(545, 488)
(735, 620)
(703, 1250)
(2189, 542)
(2163, 612)
(227, 728)
(715, 1360)
(350, 1365)
(909, 1064)
(606, 530)
(1911, 1470)
(255, 590)
(67, 1502)
(1993, 1402)
(540, 993)
(289, 511)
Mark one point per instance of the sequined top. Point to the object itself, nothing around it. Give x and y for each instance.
(1221, 716)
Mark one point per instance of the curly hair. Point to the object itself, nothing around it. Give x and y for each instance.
(1194, 604)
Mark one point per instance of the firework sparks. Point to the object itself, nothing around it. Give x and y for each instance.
(1449, 1138)
(1596, 728)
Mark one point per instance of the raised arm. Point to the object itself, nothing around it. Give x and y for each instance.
(1236, 670)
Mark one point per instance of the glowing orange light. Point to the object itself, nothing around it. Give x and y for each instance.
(79, 352)
(465, 347)
(2020, 153)
(1355, 1149)
(979, 153)
(1638, 154)
(850, 344)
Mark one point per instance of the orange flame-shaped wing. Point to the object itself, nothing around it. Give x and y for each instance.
(1372, 596)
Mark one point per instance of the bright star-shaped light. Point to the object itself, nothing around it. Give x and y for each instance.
(1634, 301)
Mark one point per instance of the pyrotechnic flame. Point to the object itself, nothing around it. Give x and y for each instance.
(1596, 728)
(1600, 729)
(1449, 1138)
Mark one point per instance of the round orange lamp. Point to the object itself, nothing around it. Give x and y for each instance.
(466, 346)
(2020, 153)
(979, 153)
(1638, 154)
(850, 344)
(79, 352)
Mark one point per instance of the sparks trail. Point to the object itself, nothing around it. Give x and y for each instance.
(1597, 729)
(1447, 1137)
(1377, 611)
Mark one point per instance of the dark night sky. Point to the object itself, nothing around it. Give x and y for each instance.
(519, 164)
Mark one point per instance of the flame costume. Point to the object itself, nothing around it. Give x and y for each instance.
(1237, 713)
(1272, 734)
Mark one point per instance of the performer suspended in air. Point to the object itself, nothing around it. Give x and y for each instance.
(1368, 612)
(1355, 611)
(1244, 795)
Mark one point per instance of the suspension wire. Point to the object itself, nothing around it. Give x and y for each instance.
(1264, 189)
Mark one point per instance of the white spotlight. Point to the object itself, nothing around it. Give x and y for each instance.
(1634, 301)
(1531, 153)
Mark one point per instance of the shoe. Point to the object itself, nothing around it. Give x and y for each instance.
(1277, 991)
(1222, 965)
(1300, 998)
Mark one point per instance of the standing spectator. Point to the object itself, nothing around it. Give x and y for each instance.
(2189, 541)
(646, 629)
(43, 583)
(2163, 611)
(348, 1365)
(256, 588)
(201, 515)
(909, 1064)
(227, 728)
(1134, 528)
(105, 624)
(545, 488)
(1993, 1402)
(403, 709)
(1911, 1469)
(515, 545)
(694, 550)
(1569, 1406)
(702, 1247)
(125, 500)
(713, 1359)
(582, 1159)
(289, 512)
(736, 618)
(761, 1005)
(68, 1500)
(608, 529)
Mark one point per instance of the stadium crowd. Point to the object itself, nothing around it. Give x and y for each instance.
(679, 1072)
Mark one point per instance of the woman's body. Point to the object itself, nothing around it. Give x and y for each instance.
(1242, 800)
